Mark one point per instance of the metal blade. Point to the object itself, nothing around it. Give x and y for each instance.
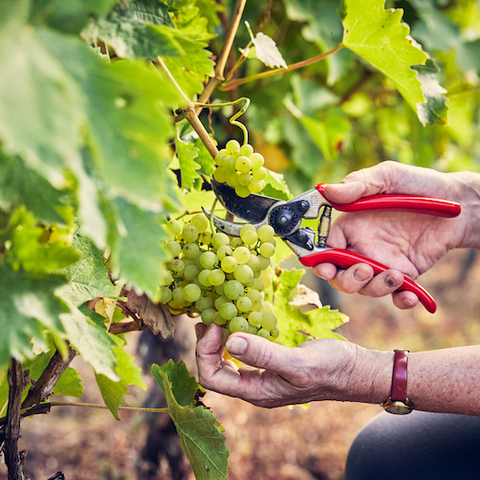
(230, 228)
(253, 209)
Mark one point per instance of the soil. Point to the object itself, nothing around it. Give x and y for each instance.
(278, 444)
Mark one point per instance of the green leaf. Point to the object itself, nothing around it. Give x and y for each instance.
(266, 50)
(19, 185)
(66, 16)
(434, 111)
(380, 38)
(275, 186)
(129, 374)
(187, 153)
(29, 309)
(200, 436)
(68, 385)
(92, 342)
(88, 278)
(296, 327)
(137, 254)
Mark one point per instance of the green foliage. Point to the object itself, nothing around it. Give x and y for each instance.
(200, 436)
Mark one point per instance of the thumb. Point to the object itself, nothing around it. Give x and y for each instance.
(259, 352)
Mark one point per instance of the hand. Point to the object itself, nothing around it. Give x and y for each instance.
(324, 369)
(409, 243)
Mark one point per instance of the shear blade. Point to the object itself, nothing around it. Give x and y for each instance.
(253, 208)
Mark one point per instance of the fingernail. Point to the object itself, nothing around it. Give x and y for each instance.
(391, 281)
(361, 275)
(236, 346)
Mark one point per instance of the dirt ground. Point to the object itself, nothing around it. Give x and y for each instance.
(281, 444)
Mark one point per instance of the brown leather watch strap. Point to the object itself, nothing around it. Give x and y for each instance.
(400, 376)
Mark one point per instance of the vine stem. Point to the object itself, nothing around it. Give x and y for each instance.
(270, 73)
(104, 407)
(190, 113)
(225, 52)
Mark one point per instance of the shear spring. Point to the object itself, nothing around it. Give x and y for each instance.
(324, 226)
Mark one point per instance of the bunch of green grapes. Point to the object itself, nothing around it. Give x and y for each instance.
(241, 168)
(221, 278)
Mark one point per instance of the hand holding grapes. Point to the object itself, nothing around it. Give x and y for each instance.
(410, 243)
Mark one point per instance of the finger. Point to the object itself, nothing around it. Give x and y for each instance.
(353, 279)
(405, 300)
(209, 351)
(200, 330)
(383, 284)
(327, 271)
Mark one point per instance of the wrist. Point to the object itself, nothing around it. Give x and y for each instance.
(370, 377)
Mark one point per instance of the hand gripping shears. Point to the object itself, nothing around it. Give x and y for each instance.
(286, 218)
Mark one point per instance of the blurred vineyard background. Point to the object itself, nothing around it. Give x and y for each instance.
(312, 125)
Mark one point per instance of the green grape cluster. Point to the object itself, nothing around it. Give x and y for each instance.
(241, 168)
(221, 278)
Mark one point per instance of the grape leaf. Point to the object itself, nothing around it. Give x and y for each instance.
(29, 308)
(68, 385)
(379, 37)
(137, 254)
(68, 17)
(20, 184)
(187, 153)
(295, 325)
(200, 436)
(88, 278)
(267, 52)
(129, 374)
(92, 342)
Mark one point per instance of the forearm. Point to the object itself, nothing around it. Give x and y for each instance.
(445, 380)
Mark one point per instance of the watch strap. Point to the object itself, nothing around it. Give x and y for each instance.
(398, 403)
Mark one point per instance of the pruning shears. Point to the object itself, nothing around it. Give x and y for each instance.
(286, 217)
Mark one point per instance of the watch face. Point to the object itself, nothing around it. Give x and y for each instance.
(398, 408)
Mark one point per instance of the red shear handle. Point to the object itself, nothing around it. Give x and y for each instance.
(398, 203)
(345, 258)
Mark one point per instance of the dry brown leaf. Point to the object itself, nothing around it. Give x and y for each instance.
(305, 299)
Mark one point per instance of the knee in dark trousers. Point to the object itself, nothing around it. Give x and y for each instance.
(417, 446)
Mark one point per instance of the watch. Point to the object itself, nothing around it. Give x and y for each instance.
(398, 403)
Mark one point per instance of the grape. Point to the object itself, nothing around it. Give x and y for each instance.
(241, 255)
(218, 319)
(232, 179)
(190, 233)
(165, 294)
(244, 179)
(204, 277)
(238, 324)
(260, 173)
(264, 333)
(228, 310)
(268, 307)
(254, 263)
(258, 285)
(265, 233)
(220, 174)
(236, 242)
(243, 164)
(269, 321)
(204, 303)
(255, 319)
(178, 266)
(256, 186)
(174, 248)
(208, 260)
(205, 237)
(229, 165)
(216, 277)
(232, 145)
(254, 295)
(220, 158)
(191, 272)
(246, 150)
(220, 239)
(175, 227)
(250, 237)
(220, 301)
(167, 279)
(257, 160)
(207, 316)
(233, 289)
(242, 192)
(192, 292)
(275, 333)
(244, 304)
(229, 264)
(224, 251)
(243, 274)
(190, 250)
(267, 250)
(219, 290)
(266, 278)
(264, 262)
(178, 295)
